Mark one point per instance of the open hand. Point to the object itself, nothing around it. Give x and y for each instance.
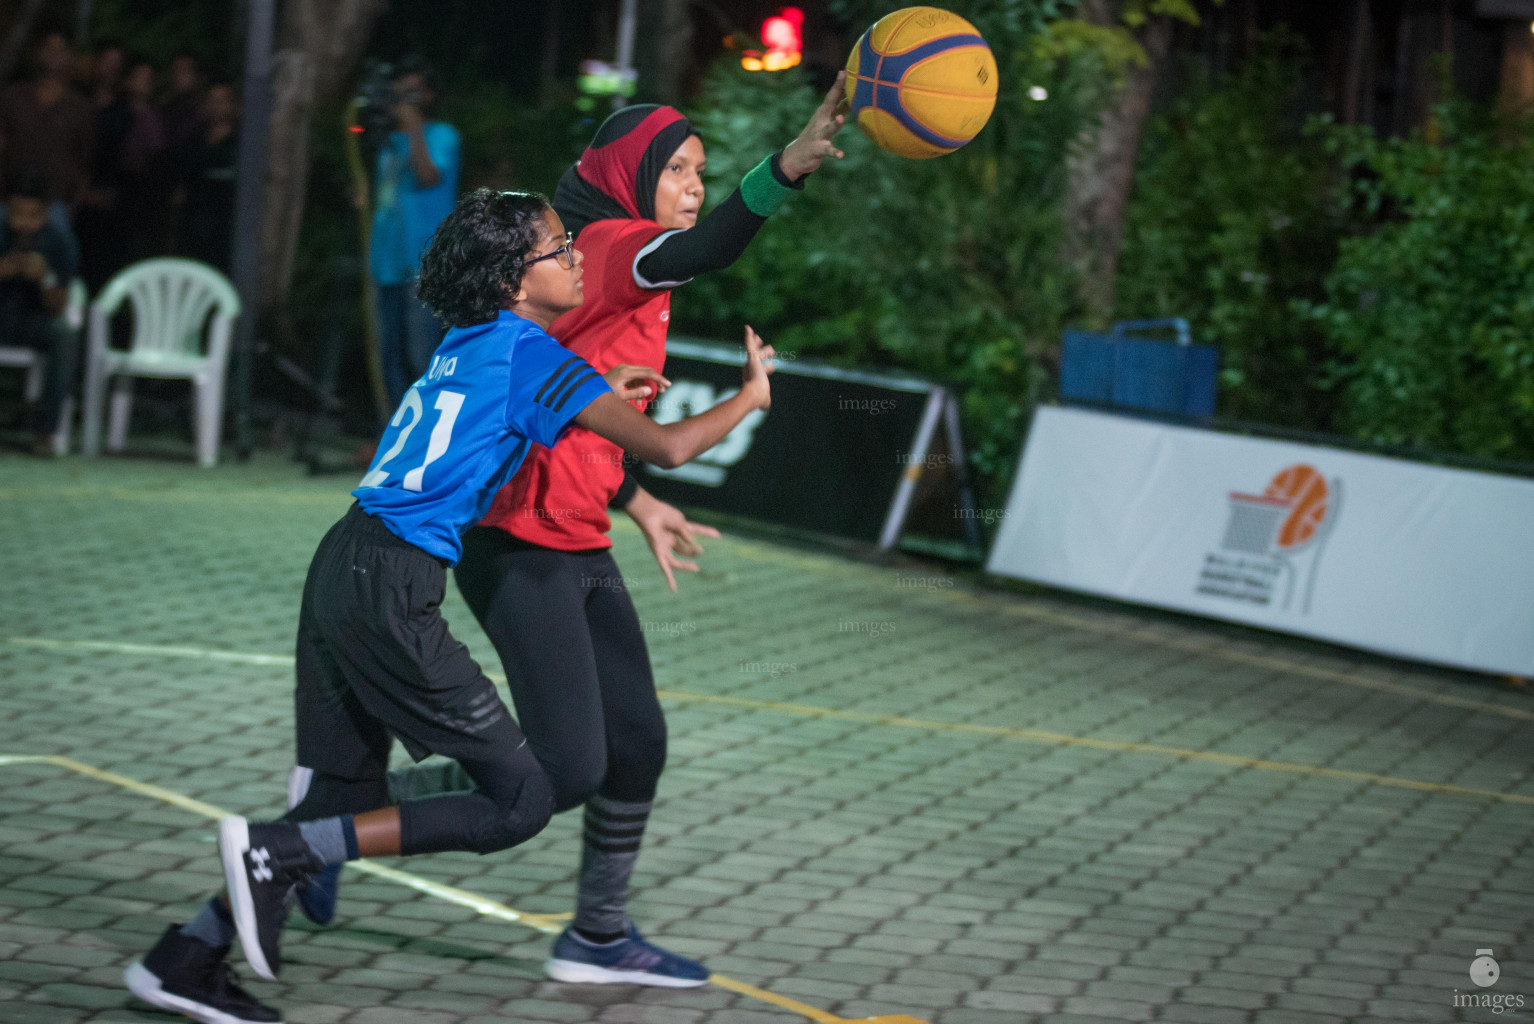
(632, 383)
(669, 534)
(810, 149)
(758, 365)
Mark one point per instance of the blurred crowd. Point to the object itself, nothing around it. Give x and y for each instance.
(136, 160)
(105, 160)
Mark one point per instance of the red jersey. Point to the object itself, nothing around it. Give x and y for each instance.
(559, 497)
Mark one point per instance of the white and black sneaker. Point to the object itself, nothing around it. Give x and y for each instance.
(262, 863)
(185, 975)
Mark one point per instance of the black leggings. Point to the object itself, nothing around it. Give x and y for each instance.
(575, 661)
(481, 807)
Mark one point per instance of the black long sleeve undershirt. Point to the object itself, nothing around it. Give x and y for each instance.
(625, 493)
(713, 243)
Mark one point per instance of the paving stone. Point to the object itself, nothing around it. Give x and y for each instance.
(857, 867)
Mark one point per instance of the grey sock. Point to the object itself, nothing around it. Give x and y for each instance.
(212, 925)
(327, 838)
(613, 831)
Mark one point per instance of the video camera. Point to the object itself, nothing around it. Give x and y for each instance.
(376, 98)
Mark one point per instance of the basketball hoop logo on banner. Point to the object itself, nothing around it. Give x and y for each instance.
(1273, 541)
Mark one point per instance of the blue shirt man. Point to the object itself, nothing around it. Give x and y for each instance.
(415, 187)
(407, 212)
(463, 429)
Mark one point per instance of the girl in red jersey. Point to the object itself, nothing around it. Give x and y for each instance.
(538, 573)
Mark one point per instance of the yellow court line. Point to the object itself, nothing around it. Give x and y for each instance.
(872, 718)
(1123, 746)
(759, 553)
(549, 924)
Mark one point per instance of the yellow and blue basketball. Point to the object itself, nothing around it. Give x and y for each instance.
(922, 82)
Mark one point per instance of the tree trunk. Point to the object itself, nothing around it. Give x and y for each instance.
(1358, 83)
(666, 49)
(1101, 165)
(320, 43)
(1517, 70)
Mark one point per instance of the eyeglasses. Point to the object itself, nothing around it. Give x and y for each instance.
(567, 251)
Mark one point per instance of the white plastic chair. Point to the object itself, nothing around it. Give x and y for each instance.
(32, 361)
(173, 337)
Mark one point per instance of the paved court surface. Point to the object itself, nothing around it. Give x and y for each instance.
(888, 793)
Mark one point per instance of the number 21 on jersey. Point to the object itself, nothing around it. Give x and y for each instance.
(448, 403)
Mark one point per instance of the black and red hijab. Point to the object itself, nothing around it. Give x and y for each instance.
(616, 175)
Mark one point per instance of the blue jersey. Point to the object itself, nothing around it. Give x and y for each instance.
(492, 390)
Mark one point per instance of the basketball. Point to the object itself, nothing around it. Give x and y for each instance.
(921, 82)
(1306, 488)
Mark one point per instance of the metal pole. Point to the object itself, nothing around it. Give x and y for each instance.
(83, 23)
(249, 200)
(627, 20)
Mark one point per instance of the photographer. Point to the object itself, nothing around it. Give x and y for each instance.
(415, 188)
(37, 261)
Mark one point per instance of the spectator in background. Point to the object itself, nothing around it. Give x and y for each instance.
(182, 110)
(37, 261)
(143, 174)
(96, 219)
(106, 73)
(415, 188)
(181, 114)
(46, 128)
(207, 180)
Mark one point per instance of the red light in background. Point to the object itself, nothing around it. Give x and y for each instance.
(783, 34)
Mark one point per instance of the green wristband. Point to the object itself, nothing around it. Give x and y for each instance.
(761, 190)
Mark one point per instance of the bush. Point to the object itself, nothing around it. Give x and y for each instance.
(944, 267)
(1233, 218)
(1432, 312)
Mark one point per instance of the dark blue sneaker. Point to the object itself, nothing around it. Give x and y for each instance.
(628, 961)
(318, 893)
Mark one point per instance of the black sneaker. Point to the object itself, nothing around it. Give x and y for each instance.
(185, 975)
(261, 865)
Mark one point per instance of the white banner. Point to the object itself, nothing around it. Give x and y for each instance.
(1378, 553)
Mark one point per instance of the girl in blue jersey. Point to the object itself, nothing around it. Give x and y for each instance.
(375, 659)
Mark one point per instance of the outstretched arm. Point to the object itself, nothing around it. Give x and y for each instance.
(723, 234)
(672, 444)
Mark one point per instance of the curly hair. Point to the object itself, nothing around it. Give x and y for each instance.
(474, 262)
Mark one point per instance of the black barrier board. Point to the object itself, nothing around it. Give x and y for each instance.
(828, 456)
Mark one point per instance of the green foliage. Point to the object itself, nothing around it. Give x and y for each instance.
(157, 30)
(1433, 312)
(1232, 219)
(945, 267)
